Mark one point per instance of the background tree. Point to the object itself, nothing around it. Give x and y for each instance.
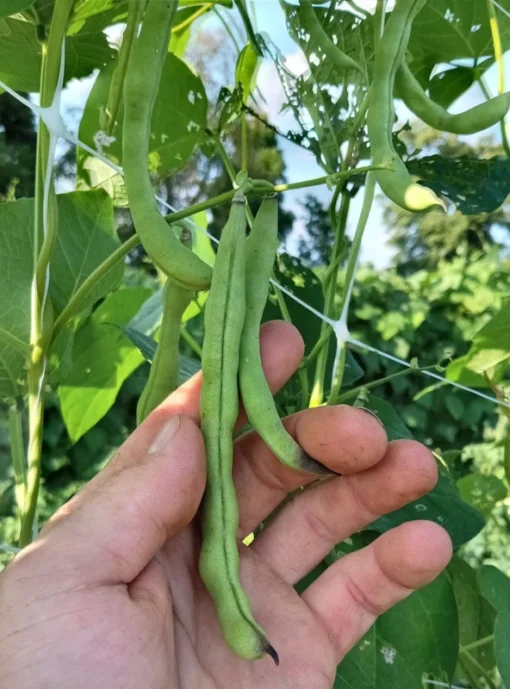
(17, 149)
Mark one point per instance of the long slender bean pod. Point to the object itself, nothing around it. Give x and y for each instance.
(164, 375)
(471, 121)
(396, 182)
(141, 85)
(320, 39)
(219, 407)
(256, 395)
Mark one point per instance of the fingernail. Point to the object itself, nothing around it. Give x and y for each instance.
(165, 435)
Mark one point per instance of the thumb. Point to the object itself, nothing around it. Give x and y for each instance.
(111, 530)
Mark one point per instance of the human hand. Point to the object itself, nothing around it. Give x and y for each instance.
(109, 595)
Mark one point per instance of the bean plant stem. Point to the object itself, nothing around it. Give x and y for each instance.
(483, 672)
(349, 279)
(506, 456)
(354, 392)
(244, 142)
(19, 460)
(190, 340)
(227, 29)
(135, 11)
(40, 337)
(339, 224)
(317, 395)
(480, 642)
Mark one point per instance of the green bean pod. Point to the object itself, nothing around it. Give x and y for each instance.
(395, 182)
(319, 36)
(164, 375)
(256, 395)
(141, 85)
(471, 121)
(219, 408)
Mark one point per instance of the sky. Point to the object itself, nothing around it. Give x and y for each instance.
(301, 164)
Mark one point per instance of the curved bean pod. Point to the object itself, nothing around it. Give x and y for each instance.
(319, 36)
(396, 182)
(141, 84)
(257, 398)
(219, 407)
(471, 121)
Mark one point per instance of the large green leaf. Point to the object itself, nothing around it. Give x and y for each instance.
(447, 86)
(482, 491)
(491, 345)
(447, 30)
(16, 223)
(103, 357)
(87, 236)
(502, 647)
(85, 9)
(495, 586)
(474, 185)
(8, 7)
(476, 617)
(442, 505)
(20, 55)
(178, 123)
(395, 427)
(418, 636)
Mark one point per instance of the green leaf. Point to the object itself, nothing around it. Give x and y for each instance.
(20, 55)
(188, 367)
(148, 318)
(147, 345)
(482, 491)
(16, 226)
(458, 371)
(444, 30)
(455, 406)
(85, 9)
(8, 7)
(474, 185)
(502, 647)
(246, 70)
(178, 123)
(491, 345)
(87, 237)
(442, 505)
(418, 636)
(102, 360)
(395, 427)
(495, 586)
(447, 86)
(476, 616)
